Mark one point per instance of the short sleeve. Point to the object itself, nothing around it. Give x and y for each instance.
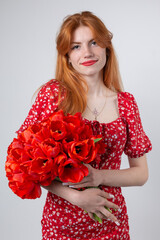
(45, 104)
(137, 143)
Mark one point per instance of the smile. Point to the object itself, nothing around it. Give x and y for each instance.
(89, 63)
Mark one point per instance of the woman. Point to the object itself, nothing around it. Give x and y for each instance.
(88, 81)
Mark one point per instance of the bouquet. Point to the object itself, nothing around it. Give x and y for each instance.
(56, 147)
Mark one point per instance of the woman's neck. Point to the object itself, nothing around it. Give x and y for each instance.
(96, 87)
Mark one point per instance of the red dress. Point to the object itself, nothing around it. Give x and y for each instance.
(61, 219)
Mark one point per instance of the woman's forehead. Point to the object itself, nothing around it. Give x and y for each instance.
(82, 33)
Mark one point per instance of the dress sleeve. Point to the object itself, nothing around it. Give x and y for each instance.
(45, 104)
(137, 143)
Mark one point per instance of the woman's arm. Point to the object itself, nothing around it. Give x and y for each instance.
(92, 200)
(136, 175)
(57, 188)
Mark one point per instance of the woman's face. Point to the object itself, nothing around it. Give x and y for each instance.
(85, 55)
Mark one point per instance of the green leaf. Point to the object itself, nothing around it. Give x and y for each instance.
(97, 218)
(108, 209)
(97, 140)
(57, 179)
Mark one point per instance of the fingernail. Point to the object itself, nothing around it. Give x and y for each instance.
(64, 183)
(119, 210)
(117, 223)
(71, 186)
(111, 195)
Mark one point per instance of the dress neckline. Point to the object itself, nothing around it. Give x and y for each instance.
(112, 122)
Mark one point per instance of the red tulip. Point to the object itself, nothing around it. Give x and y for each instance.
(58, 130)
(56, 116)
(28, 189)
(83, 150)
(50, 147)
(72, 171)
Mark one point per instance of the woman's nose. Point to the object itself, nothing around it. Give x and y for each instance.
(88, 52)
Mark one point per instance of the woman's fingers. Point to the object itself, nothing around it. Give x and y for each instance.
(105, 194)
(109, 215)
(80, 185)
(98, 206)
(76, 185)
(91, 215)
(103, 214)
(111, 205)
(108, 203)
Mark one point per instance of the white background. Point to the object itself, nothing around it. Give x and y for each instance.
(27, 60)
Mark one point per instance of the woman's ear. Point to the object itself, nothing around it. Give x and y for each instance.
(69, 61)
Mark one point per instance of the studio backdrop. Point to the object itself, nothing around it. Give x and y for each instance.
(27, 60)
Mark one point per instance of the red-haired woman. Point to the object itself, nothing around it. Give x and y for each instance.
(88, 81)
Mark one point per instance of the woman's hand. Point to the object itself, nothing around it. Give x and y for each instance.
(92, 180)
(94, 201)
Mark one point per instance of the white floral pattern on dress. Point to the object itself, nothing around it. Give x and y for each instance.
(61, 219)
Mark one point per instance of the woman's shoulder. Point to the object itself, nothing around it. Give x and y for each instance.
(124, 96)
(50, 89)
(127, 103)
(127, 99)
(52, 84)
(127, 96)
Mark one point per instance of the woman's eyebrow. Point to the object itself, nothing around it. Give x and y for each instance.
(80, 42)
(75, 42)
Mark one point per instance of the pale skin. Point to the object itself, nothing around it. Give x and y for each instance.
(84, 48)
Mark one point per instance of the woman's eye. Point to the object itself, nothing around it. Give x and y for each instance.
(75, 47)
(94, 43)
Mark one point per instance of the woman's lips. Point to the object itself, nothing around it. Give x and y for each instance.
(89, 63)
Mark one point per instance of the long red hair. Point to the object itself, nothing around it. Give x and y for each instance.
(71, 80)
(75, 99)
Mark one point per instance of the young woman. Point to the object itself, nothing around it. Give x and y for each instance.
(88, 81)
